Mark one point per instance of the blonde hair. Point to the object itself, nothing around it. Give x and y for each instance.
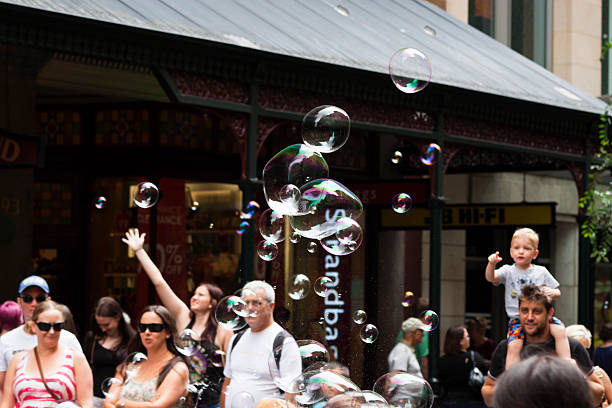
(528, 233)
(43, 307)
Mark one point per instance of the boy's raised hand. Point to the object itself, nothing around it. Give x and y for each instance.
(495, 258)
(134, 240)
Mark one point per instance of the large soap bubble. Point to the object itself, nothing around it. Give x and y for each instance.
(410, 70)
(317, 385)
(226, 315)
(402, 390)
(323, 202)
(272, 226)
(312, 352)
(326, 128)
(289, 352)
(294, 165)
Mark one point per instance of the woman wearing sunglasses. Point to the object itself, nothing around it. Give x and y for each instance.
(198, 317)
(50, 373)
(161, 379)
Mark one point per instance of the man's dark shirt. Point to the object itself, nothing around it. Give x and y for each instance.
(577, 351)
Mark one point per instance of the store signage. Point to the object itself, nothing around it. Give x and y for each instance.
(383, 193)
(473, 215)
(18, 150)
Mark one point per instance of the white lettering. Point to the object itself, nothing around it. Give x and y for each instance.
(329, 261)
(332, 316)
(331, 333)
(334, 350)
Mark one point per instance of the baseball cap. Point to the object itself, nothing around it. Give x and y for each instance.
(33, 280)
(412, 324)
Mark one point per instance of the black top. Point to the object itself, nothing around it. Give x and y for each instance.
(454, 371)
(577, 351)
(213, 377)
(103, 362)
(603, 358)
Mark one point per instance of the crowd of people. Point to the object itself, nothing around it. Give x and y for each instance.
(42, 363)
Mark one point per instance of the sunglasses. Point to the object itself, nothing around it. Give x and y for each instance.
(29, 298)
(43, 326)
(153, 327)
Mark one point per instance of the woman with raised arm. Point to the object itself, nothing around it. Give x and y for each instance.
(197, 317)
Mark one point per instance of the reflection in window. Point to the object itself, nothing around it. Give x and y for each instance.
(529, 29)
(481, 15)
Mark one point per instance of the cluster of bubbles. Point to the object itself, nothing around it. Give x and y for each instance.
(297, 187)
(146, 196)
(428, 317)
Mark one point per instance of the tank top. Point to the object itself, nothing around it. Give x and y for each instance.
(135, 391)
(213, 378)
(31, 392)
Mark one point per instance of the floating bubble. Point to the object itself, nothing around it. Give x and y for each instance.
(431, 154)
(111, 387)
(134, 362)
(332, 245)
(267, 250)
(322, 285)
(326, 128)
(243, 400)
(290, 195)
(294, 238)
(312, 247)
(403, 390)
(397, 157)
(348, 231)
(250, 210)
(358, 399)
(316, 385)
(373, 399)
(187, 342)
(299, 287)
(321, 320)
(401, 203)
(431, 320)
(322, 202)
(408, 299)
(297, 165)
(243, 227)
(410, 70)
(147, 195)
(217, 358)
(272, 226)
(359, 316)
(226, 315)
(369, 333)
(312, 352)
(100, 202)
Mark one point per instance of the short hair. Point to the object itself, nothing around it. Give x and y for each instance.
(10, 315)
(68, 319)
(578, 331)
(544, 382)
(337, 366)
(528, 233)
(605, 333)
(532, 293)
(263, 285)
(454, 335)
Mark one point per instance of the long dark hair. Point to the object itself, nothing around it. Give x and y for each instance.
(109, 307)
(170, 326)
(454, 335)
(210, 330)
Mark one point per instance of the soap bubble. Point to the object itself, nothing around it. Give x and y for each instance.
(111, 387)
(322, 285)
(217, 358)
(403, 390)
(272, 226)
(369, 333)
(147, 195)
(297, 165)
(242, 400)
(314, 386)
(401, 203)
(410, 70)
(267, 250)
(431, 319)
(243, 227)
(100, 202)
(290, 195)
(322, 203)
(226, 315)
(187, 342)
(299, 287)
(312, 352)
(431, 154)
(397, 157)
(294, 238)
(250, 209)
(289, 352)
(408, 299)
(312, 247)
(326, 128)
(359, 316)
(332, 245)
(134, 362)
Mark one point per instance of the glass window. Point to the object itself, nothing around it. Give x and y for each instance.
(480, 15)
(606, 74)
(529, 29)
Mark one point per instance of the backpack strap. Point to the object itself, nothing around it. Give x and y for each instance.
(278, 341)
(236, 339)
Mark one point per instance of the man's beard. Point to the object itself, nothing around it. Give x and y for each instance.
(537, 331)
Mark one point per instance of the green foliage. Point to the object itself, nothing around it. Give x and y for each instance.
(597, 199)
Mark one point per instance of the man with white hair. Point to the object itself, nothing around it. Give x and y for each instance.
(402, 356)
(247, 365)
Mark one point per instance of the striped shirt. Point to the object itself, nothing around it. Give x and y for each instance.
(31, 392)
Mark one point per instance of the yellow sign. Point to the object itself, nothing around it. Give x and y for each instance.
(475, 215)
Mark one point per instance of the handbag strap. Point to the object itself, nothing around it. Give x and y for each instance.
(472, 358)
(42, 377)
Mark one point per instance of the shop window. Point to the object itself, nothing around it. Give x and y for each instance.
(603, 299)
(529, 29)
(480, 15)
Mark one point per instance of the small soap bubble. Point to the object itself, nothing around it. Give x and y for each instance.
(267, 250)
(135, 361)
(397, 157)
(321, 320)
(217, 358)
(312, 247)
(226, 315)
(348, 231)
(360, 316)
(408, 299)
(326, 128)
(250, 209)
(431, 319)
(322, 285)
(187, 342)
(289, 194)
(431, 154)
(243, 227)
(369, 333)
(299, 287)
(147, 195)
(401, 203)
(100, 202)
(294, 238)
(272, 226)
(111, 387)
(410, 70)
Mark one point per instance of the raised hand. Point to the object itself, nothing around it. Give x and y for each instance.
(134, 239)
(495, 258)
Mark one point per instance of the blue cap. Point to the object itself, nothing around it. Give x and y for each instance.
(33, 280)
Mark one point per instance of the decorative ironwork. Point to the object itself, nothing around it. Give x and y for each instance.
(208, 87)
(578, 171)
(122, 127)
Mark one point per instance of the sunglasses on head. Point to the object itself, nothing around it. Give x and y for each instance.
(43, 326)
(30, 298)
(153, 327)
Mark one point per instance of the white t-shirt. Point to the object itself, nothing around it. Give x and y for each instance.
(403, 358)
(514, 279)
(247, 365)
(18, 340)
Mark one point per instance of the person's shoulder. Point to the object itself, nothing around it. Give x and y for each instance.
(575, 344)
(14, 335)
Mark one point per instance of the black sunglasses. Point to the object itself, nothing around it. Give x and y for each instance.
(43, 326)
(153, 327)
(29, 298)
